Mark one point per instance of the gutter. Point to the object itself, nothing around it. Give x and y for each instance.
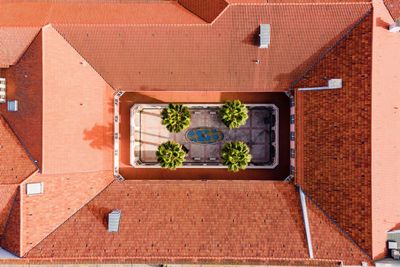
(306, 223)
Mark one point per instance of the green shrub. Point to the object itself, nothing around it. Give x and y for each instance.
(175, 117)
(236, 156)
(170, 155)
(233, 114)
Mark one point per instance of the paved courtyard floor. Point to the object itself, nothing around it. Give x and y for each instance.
(206, 135)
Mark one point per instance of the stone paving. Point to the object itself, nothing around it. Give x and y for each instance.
(258, 133)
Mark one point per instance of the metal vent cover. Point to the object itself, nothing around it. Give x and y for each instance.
(265, 35)
(114, 219)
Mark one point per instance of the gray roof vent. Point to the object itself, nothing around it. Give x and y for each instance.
(265, 35)
(114, 218)
(12, 105)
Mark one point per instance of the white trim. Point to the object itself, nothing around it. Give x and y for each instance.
(306, 223)
(116, 135)
(332, 84)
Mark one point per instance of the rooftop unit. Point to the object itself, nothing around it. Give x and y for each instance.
(265, 35)
(12, 105)
(114, 219)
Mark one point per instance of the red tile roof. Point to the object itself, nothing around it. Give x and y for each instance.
(220, 56)
(14, 42)
(15, 164)
(188, 220)
(394, 8)
(208, 10)
(7, 196)
(11, 238)
(197, 221)
(334, 135)
(64, 195)
(24, 83)
(329, 241)
(77, 111)
(42, 12)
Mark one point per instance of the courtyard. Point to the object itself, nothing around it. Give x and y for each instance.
(206, 135)
(201, 154)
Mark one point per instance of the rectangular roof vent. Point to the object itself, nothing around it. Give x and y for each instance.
(2, 90)
(12, 105)
(114, 218)
(34, 189)
(265, 35)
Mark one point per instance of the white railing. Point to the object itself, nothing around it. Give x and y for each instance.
(117, 135)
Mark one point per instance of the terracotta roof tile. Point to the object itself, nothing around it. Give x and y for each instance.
(11, 239)
(14, 42)
(15, 164)
(40, 13)
(334, 135)
(77, 111)
(24, 83)
(208, 10)
(394, 8)
(192, 220)
(329, 241)
(63, 196)
(7, 196)
(218, 57)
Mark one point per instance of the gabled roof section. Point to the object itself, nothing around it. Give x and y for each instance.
(221, 56)
(24, 83)
(394, 8)
(15, 165)
(63, 196)
(333, 133)
(13, 43)
(208, 10)
(77, 111)
(246, 221)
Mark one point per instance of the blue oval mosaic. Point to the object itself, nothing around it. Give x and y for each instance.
(204, 135)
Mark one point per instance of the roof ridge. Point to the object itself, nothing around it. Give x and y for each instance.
(70, 44)
(84, 205)
(336, 224)
(21, 143)
(301, 4)
(329, 49)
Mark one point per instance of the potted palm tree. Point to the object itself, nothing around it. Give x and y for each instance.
(175, 117)
(236, 155)
(170, 155)
(233, 114)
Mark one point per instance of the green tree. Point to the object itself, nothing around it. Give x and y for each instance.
(175, 117)
(170, 155)
(236, 156)
(233, 114)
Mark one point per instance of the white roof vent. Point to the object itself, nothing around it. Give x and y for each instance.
(12, 105)
(265, 35)
(34, 189)
(114, 219)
